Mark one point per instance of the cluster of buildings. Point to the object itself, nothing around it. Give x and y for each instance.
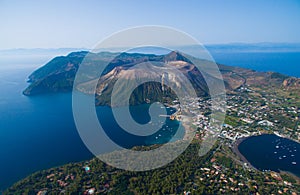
(248, 113)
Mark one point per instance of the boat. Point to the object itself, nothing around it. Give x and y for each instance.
(294, 163)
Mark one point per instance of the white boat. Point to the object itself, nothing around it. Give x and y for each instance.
(294, 163)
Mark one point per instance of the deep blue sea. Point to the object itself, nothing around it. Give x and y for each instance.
(39, 132)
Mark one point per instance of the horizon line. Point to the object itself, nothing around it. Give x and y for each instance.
(208, 44)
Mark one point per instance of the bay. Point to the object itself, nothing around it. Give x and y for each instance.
(271, 152)
(39, 132)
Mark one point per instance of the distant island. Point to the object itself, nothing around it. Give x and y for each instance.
(257, 103)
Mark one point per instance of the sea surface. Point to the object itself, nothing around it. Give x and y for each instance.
(287, 63)
(35, 133)
(39, 132)
(270, 152)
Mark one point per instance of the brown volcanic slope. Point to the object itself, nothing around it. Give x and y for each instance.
(58, 75)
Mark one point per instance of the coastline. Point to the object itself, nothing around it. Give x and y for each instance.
(297, 178)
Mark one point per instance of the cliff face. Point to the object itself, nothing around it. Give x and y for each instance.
(58, 75)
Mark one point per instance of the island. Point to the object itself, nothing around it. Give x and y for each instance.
(257, 103)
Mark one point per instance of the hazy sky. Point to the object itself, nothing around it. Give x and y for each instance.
(54, 24)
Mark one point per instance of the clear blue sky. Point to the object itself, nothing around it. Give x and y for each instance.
(55, 24)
